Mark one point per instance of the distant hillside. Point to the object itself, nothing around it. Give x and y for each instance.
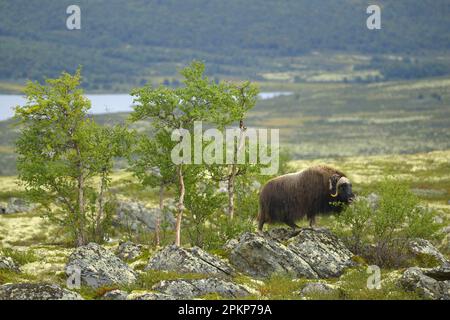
(332, 120)
(123, 42)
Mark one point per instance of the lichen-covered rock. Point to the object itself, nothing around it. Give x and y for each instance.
(323, 251)
(98, 267)
(230, 244)
(188, 260)
(186, 289)
(421, 247)
(302, 253)
(115, 295)
(429, 283)
(445, 244)
(2, 208)
(441, 273)
(36, 291)
(7, 263)
(260, 256)
(129, 251)
(281, 234)
(17, 205)
(136, 216)
(317, 287)
(150, 296)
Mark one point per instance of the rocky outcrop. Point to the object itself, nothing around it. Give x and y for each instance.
(428, 283)
(323, 251)
(303, 253)
(16, 205)
(136, 216)
(281, 234)
(149, 296)
(7, 263)
(445, 244)
(230, 244)
(188, 260)
(136, 295)
(424, 248)
(129, 251)
(317, 288)
(186, 289)
(36, 291)
(2, 208)
(115, 295)
(260, 256)
(98, 267)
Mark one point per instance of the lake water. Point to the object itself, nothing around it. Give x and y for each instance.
(101, 103)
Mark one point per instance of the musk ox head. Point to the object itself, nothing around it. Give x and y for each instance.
(341, 189)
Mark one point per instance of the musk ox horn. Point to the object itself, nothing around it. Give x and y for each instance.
(340, 181)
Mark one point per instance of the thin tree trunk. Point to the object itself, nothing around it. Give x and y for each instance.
(158, 217)
(81, 240)
(231, 191)
(180, 206)
(232, 176)
(80, 223)
(98, 222)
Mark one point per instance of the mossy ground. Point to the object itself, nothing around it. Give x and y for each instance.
(34, 243)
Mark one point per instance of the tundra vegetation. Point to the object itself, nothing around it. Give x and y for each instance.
(380, 232)
(171, 110)
(65, 159)
(67, 164)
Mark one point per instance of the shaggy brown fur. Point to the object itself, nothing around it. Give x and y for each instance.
(293, 196)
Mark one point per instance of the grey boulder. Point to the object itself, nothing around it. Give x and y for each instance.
(129, 251)
(150, 296)
(17, 205)
(186, 289)
(429, 283)
(302, 253)
(317, 287)
(136, 216)
(115, 295)
(260, 256)
(421, 247)
(36, 291)
(98, 267)
(230, 244)
(323, 251)
(188, 260)
(7, 263)
(281, 234)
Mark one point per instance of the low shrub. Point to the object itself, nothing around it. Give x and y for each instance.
(380, 232)
(20, 257)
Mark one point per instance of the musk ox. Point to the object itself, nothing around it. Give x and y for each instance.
(307, 193)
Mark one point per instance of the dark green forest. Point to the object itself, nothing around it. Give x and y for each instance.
(133, 41)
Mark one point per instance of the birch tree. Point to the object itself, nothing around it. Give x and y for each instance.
(61, 152)
(175, 111)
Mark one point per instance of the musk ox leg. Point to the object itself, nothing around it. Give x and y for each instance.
(312, 222)
(261, 222)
